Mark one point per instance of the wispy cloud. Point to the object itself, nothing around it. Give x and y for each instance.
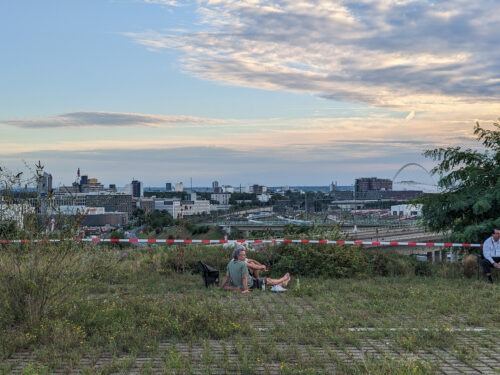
(170, 3)
(410, 116)
(319, 150)
(106, 119)
(416, 53)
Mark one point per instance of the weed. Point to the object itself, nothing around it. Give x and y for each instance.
(175, 362)
(384, 365)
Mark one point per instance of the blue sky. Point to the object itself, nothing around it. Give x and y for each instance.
(272, 92)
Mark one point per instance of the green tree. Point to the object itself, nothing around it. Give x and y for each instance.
(139, 215)
(468, 205)
(157, 220)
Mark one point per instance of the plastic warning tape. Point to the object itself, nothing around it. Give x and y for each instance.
(271, 241)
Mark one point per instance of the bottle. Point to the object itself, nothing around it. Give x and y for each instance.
(297, 283)
(263, 286)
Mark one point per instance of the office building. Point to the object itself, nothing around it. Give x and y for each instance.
(44, 184)
(371, 184)
(137, 189)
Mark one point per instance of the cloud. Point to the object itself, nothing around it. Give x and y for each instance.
(105, 119)
(416, 53)
(170, 3)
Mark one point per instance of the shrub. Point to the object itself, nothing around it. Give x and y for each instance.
(469, 263)
(321, 260)
(423, 269)
(390, 263)
(38, 279)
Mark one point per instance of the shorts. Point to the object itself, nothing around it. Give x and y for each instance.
(257, 283)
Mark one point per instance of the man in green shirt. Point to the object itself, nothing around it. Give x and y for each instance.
(238, 277)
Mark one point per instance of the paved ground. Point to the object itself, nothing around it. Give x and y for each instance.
(224, 358)
(326, 357)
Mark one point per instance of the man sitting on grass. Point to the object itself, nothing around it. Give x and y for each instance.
(238, 277)
(253, 265)
(491, 254)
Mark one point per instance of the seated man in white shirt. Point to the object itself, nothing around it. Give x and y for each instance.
(491, 254)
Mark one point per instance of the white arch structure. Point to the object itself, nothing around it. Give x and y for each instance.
(410, 165)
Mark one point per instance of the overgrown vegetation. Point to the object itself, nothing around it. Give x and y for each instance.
(125, 306)
(469, 202)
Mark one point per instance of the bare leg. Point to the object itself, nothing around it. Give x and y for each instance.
(254, 267)
(282, 281)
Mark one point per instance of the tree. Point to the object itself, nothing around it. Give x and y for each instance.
(468, 205)
(157, 220)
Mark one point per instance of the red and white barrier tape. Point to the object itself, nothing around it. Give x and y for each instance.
(272, 241)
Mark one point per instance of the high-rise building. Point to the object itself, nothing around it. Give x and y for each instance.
(137, 189)
(44, 184)
(168, 186)
(216, 188)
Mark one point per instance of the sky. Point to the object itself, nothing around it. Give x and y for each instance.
(284, 92)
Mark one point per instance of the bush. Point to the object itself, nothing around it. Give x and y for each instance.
(423, 269)
(321, 260)
(469, 263)
(390, 263)
(37, 280)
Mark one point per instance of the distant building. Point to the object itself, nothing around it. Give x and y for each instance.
(372, 183)
(397, 195)
(221, 198)
(258, 189)
(115, 219)
(194, 207)
(339, 195)
(112, 202)
(171, 205)
(91, 185)
(263, 198)
(179, 186)
(216, 188)
(168, 186)
(73, 189)
(44, 184)
(146, 204)
(137, 189)
(178, 208)
(407, 210)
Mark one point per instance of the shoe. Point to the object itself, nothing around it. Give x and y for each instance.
(278, 288)
(489, 280)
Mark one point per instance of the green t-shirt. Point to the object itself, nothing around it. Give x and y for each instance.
(237, 269)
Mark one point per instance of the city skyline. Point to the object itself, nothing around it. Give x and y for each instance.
(269, 92)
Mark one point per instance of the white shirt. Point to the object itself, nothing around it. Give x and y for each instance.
(491, 248)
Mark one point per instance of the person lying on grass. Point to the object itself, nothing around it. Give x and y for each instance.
(238, 277)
